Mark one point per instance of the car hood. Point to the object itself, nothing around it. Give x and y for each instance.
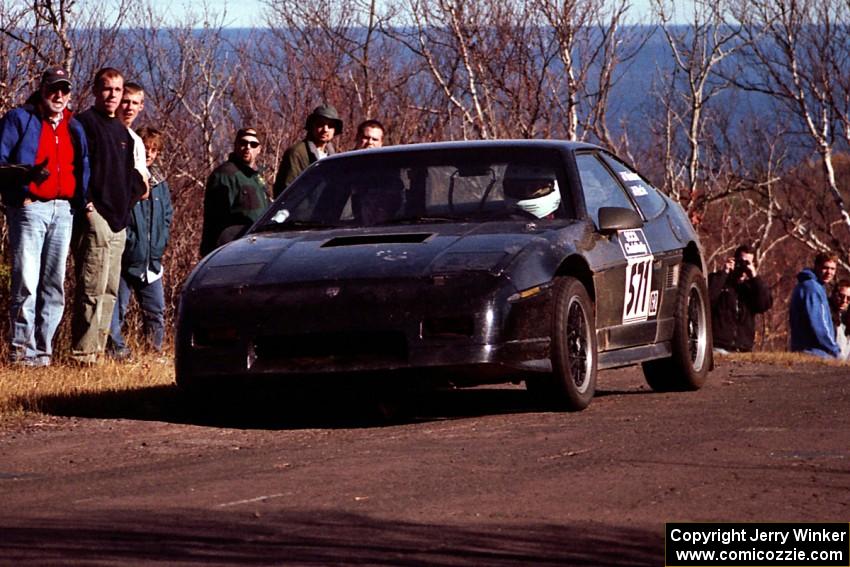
(379, 253)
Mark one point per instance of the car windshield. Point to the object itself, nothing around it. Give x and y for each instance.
(369, 188)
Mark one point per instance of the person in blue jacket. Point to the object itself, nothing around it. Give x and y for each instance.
(812, 331)
(141, 264)
(44, 160)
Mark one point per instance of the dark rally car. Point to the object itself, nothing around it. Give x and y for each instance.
(464, 262)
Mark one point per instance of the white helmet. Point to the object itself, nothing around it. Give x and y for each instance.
(533, 189)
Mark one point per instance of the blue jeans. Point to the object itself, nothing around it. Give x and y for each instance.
(151, 298)
(39, 238)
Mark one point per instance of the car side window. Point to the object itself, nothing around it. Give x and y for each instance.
(599, 187)
(645, 195)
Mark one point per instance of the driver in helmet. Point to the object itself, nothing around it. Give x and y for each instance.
(533, 189)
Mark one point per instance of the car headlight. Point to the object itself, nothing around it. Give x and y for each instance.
(454, 262)
(215, 276)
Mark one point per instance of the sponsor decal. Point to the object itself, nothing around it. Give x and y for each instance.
(638, 190)
(634, 243)
(653, 303)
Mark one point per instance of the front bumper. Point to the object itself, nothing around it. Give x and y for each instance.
(466, 327)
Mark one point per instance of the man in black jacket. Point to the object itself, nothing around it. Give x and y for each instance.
(100, 233)
(737, 294)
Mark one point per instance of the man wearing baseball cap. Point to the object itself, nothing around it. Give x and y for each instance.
(323, 124)
(235, 195)
(46, 148)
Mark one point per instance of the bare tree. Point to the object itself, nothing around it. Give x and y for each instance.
(838, 72)
(796, 52)
(42, 28)
(35, 34)
(487, 67)
(591, 44)
(333, 52)
(446, 36)
(697, 50)
(350, 28)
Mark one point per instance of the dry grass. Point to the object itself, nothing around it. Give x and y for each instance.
(45, 390)
(780, 358)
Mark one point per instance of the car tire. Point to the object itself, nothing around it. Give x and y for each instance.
(687, 368)
(572, 384)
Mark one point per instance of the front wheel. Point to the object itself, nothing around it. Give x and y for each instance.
(688, 366)
(573, 341)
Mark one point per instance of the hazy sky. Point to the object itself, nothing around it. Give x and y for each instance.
(249, 13)
(240, 13)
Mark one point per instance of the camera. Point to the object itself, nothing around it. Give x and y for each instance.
(742, 268)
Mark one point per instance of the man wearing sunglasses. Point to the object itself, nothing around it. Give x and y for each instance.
(235, 195)
(44, 152)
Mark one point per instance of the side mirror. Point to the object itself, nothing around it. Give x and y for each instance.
(612, 219)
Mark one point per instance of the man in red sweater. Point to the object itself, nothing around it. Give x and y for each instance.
(49, 148)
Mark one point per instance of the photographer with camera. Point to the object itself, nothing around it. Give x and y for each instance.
(737, 295)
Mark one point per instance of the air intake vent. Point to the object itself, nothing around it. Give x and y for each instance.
(448, 327)
(672, 276)
(411, 238)
(341, 346)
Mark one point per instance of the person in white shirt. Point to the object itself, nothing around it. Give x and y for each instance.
(147, 236)
(132, 104)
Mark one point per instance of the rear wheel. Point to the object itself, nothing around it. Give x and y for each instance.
(572, 384)
(688, 366)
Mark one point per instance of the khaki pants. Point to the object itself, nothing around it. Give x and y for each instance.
(97, 262)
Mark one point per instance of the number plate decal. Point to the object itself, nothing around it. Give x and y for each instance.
(638, 300)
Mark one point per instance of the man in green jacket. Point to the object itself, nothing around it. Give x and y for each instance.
(322, 126)
(235, 196)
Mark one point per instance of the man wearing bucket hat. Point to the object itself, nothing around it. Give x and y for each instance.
(43, 150)
(235, 195)
(322, 126)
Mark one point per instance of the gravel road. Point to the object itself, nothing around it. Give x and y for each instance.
(468, 477)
